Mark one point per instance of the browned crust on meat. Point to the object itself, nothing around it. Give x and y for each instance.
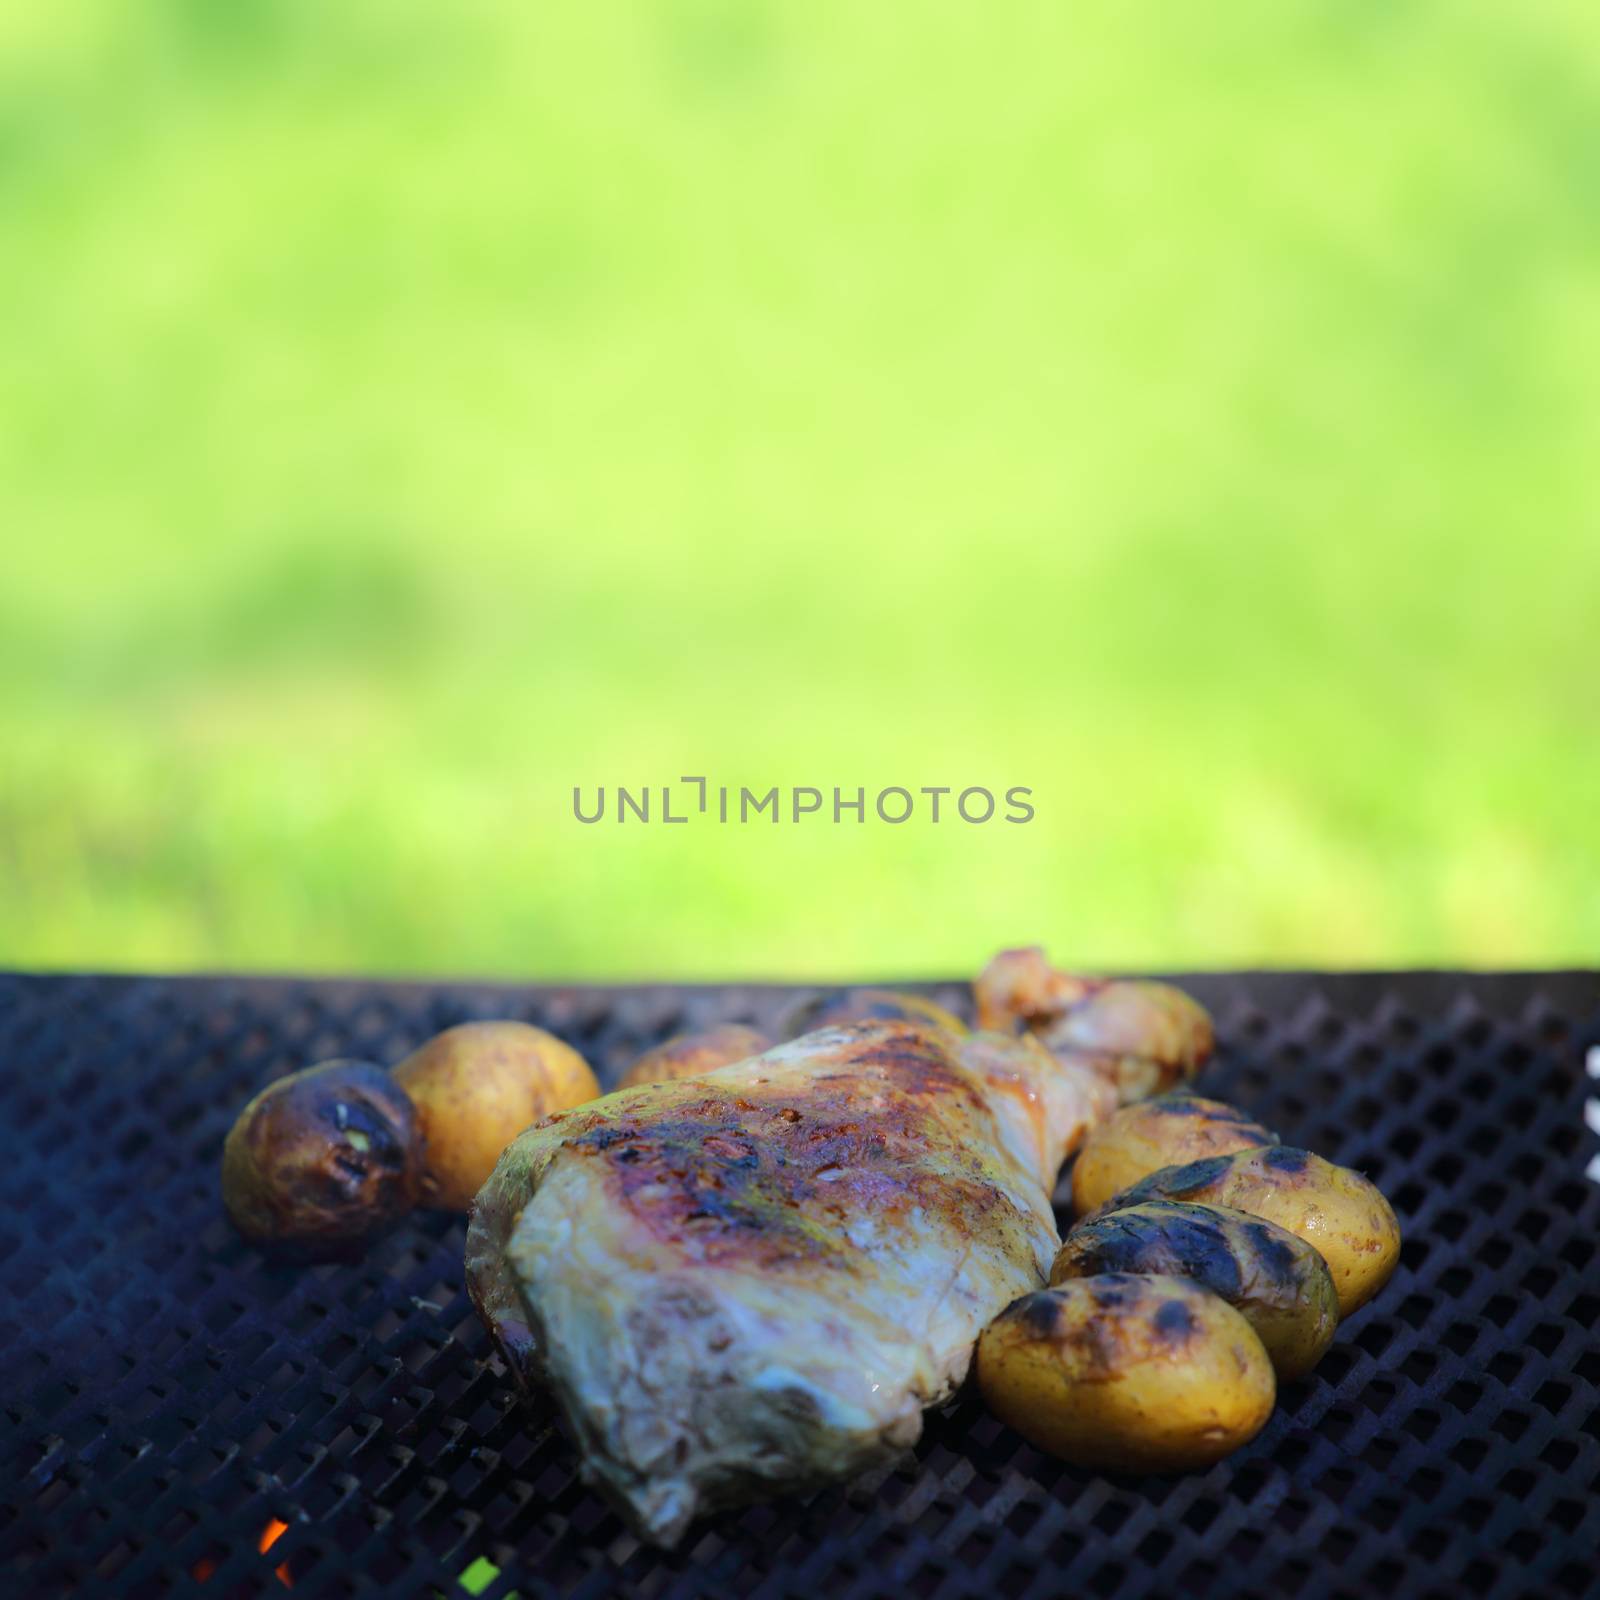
(750, 1173)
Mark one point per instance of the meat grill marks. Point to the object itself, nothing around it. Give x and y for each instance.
(750, 1282)
(753, 1174)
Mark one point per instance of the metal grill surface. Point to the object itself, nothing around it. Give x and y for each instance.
(167, 1397)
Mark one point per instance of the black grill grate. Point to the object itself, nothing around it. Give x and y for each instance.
(166, 1394)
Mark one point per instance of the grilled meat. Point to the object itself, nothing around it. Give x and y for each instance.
(1145, 1037)
(754, 1281)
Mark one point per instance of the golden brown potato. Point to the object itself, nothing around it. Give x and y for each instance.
(1164, 1132)
(690, 1054)
(322, 1160)
(1338, 1211)
(834, 1006)
(1145, 1037)
(1127, 1374)
(1277, 1282)
(476, 1087)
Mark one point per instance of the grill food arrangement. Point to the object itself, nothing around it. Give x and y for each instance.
(184, 1414)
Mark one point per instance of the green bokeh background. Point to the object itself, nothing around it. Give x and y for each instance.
(408, 412)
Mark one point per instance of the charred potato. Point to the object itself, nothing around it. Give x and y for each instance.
(690, 1054)
(1127, 1374)
(835, 1006)
(1277, 1282)
(322, 1160)
(1164, 1132)
(476, 1087)
(1145, 1037)
(1338, 1211)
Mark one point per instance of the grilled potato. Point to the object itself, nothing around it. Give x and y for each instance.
(1278, 1283)
(1164, 1132)
(476, 1087)
(322, 1160)
(1128, 1374)
(1338, 1211)
(690, 1054)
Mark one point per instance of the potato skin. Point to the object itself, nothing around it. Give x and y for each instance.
(1167, 1131)
(1338, 1211)
(476, 1087)
(689, 1054)
(1127, 1374)
(323, 1160)
(1277, 1282)
(835, 1006)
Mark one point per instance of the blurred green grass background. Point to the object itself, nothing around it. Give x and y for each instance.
(409, 412)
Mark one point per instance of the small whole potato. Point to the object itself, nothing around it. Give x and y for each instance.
(690, 1054)
(1145, 1037)
(1127, 1374)
(476, 1087)
(1277, 1282)
(1164, 1132)
(1338, 1211)
(836, 1006)
(322, 1160)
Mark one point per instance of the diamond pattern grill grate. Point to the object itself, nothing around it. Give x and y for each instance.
(165, 1395)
